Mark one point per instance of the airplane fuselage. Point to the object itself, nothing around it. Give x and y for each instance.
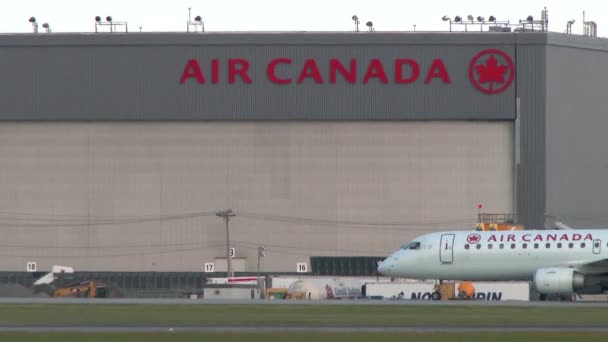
(496, 255)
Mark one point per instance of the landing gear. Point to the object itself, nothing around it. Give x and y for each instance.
(436, 295)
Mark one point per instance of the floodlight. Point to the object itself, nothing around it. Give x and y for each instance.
(109, 19)
(97, 18)
(369, 24)
(492, 19)
(481, 19)
(445, 18)
(571, 22)
(355, 18)
(32, 20)
(45, 25)
(470, 18)
(198, 18)
(530, 18)
(458, 19)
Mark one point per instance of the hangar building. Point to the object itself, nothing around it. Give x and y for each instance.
(118, 149)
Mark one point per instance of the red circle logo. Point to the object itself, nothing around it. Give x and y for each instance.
(473, 238)
(492, 71)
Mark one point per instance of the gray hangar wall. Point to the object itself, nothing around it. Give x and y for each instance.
(110, 162)
(577, 120)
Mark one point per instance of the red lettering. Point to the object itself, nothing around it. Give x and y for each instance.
(526, 237)
(538, 238)
(399, 63)
(564, 237)
(511, 238)
(310, 69)
(192, 70)
(336, 66)
(492, 238)
(551, 237)
(271, 71)
(576, 237)
(375, 70)
(238, 67)
(215, 71)
(438, 70)
(588, 237)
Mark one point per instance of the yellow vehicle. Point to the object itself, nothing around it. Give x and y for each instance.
(86, 289)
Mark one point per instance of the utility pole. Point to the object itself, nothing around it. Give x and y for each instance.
(227, 214)
(261, 254)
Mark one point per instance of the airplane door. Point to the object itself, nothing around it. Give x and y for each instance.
(597, 246)
(446, 249)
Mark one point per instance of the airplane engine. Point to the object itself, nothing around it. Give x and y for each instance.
(562, 281)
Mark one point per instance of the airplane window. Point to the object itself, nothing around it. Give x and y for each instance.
(490, 246)
(512, 246)
(535, 245)
(548, 245)
(502, 245)
(583, 245)
(559, 245)
(597, 245)
(414, 246)
(478, 246)
(525, 245)
(466, 246)
(570, 245)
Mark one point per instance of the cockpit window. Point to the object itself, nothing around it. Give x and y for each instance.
(414, 246)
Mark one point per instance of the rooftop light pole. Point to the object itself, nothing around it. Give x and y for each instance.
(357, 22)
(110, 22)
(370, 25)
(446, 18)
(569, 26)
(198, 21)
(34, 24)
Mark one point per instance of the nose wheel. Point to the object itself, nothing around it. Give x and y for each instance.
(436, 295)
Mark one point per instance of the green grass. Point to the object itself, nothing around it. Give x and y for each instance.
(307, 315)
(306, 337)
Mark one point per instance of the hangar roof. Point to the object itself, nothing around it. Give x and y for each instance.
(302, 38)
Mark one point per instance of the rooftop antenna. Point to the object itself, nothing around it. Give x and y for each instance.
(544, 16)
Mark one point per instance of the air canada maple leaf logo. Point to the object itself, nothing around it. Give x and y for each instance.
(473, 238)
(492, 71)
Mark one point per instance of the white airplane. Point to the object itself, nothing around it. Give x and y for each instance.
(557, 262)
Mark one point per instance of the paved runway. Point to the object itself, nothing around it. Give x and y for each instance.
(291, 329)
(175, 301)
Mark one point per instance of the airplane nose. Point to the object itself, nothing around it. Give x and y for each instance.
(384, 268)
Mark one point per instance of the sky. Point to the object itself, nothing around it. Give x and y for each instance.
(285, 15)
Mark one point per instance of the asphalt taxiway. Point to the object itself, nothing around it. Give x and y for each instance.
(185, 301)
